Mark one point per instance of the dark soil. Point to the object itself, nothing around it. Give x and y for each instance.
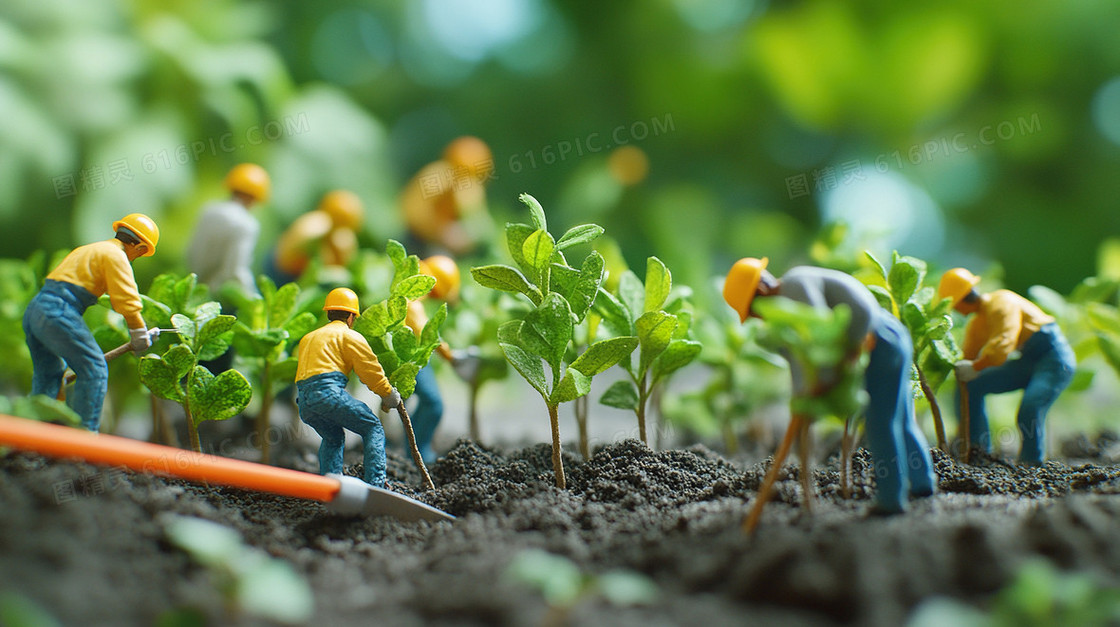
(87, 543)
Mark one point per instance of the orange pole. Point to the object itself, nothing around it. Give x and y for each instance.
(68, 442)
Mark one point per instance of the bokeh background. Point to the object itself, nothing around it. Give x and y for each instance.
(978, 133)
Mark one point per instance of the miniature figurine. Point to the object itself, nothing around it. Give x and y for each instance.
(901, 455)
(326, 358)
(1005, 322)
(221, 249)
(329, 231)
(429, 409)
(444, 205)
(57, 336)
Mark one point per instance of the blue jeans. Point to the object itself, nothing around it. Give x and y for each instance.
(1043, 370)
(428, 412)
(899, 451)
(328, 408)
(58, 337)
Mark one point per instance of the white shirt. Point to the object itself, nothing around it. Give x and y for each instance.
(222, 247)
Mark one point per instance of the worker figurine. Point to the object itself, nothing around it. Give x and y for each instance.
(900, 454)
(429, 409)
(444, 205)
(1004, 322)
(221, 249)
(326, 357)
(329, 232)
(57, 336)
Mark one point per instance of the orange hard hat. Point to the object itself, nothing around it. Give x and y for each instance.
(249, 179)
(741, 284)
(344, 208)
(142, 227)
(956, 284)
(446, 272)
(342, 299)
(471, 153)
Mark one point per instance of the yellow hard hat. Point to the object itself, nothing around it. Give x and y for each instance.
(446, 272)
(471, 153)
(741, 284)
(342, 299)
(143, 227)
(344, 208)
(249, 179)
(956, 284)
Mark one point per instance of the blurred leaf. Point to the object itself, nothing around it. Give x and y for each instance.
(621, 395)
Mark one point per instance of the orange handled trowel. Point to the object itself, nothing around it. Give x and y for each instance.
(348, 496)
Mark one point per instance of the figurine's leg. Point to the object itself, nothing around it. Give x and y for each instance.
(359, 418)
(318, 399)
(332, 446)
(918, 463)
(1051, 376)
(61, 331)
(887, 380)
(1012, 375)
(428, 413)
(47, 367)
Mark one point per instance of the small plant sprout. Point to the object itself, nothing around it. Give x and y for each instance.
(177, 375)
(401, 353)
(662, 330)
(929, 321)
(815, 340)
(561, 296)
(267, 329)
(248, 580)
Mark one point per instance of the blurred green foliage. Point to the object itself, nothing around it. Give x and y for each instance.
(961, 132)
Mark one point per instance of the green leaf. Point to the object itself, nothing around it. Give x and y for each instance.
(548, 329)
(587, 285)
(516, 234)
(678, 354)
(405, 343)
(624, 588)
(396, 253)
(271, 589)
(529, 366)
(45, 409)
(155, 313)
(414, 287)
(249, 343)
(537, 250)
(658, 283)
(429, 335)
(213, 328)
(614, 314)
(655, 331)
(183, 291)
(301, 325)
(621, 395)
(632, 294)
(506, 279)
(374, 321)
(579, 235)
(404, 378)
(185, 327)
(217, 397)
(904, 277)
(1110, 348)
(163, 374)
(397, 306)
(912, 316)
(878, 264)
(282, 304)
(536, 212)
(604, 354)
(285, 371)
(573, 385)
(886, 301)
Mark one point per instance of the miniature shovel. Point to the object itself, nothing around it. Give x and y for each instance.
(342, 494)
(117, 352)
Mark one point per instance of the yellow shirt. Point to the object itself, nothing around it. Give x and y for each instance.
(103, 267)
(336, 347)
(415, 318)
(1004, 321)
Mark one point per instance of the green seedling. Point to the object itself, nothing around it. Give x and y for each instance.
(564, 586)
(19, 282)
(816, 340)
(929, 321)
(561, 296)
(40, 407)
(248, 580)
(267, 331)
(402, 354)
(662, 329)
(177, 375)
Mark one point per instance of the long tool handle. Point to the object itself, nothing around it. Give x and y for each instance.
(60, 441)
(416, 457)
(966, 422)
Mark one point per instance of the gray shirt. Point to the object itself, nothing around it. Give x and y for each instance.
(825, 289)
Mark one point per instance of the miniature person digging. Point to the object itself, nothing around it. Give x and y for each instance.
(221, 249)
(899, 450)
(429, 409)
(1004, 322)
(326, 358)
(57, 336)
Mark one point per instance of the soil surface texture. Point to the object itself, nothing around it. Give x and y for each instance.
(89, 544)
